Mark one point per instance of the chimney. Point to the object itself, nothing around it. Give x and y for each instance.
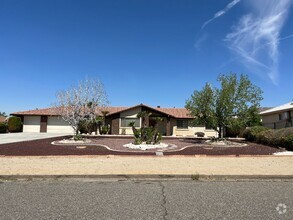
(158, 106)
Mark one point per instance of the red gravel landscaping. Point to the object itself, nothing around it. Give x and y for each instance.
(45, 148)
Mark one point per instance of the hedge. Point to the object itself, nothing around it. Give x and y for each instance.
(3, 127)
(251, 133)
(276, 138)
(14, 124)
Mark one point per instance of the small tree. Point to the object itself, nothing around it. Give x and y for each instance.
(218, 108)
(79, 103)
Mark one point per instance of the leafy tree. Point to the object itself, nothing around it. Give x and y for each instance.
(79, 103)
(236, 100)
(3, 114)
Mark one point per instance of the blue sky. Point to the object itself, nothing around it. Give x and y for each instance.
(155, 52)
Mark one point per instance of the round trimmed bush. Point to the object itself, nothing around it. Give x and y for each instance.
(266, 137)
(199, 134)
(250, 134)
(14, 124)
(3, 127)
(287, 142)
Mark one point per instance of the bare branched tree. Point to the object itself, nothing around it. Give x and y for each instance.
(79, 103)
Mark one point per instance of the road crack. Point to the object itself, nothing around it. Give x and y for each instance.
(164, 201)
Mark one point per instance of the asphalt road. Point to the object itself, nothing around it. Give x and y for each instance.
(113, 199)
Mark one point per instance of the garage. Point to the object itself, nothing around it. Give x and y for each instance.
(57, 125)
(31, 123)
(46, 124)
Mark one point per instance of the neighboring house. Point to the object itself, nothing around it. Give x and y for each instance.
(278, 117)
(176, 121)
(2, 118)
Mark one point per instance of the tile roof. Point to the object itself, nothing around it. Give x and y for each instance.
(43, 111)
(285, 107)
(53, 111)
(2, 118)
(173, 112)
(176, 112)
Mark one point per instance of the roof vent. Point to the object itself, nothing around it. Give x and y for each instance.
(158, 106)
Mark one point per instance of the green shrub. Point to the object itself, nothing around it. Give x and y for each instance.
(250, 134)
(148, 135)
(283, 132)
(14, 124)
(234, 130)
(199, 134)
(287, 142)
(82, 128)
(87, 127)
(265, 137)
(3, 127)
(137, 141)
(276, 138)
(195, 176)
(159, 138)
(136, 133)
(105, 129)
(77, 137)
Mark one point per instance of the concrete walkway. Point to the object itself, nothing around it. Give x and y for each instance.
(18, 137)
(132, 165)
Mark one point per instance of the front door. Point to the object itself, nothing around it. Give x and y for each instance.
(44, 120)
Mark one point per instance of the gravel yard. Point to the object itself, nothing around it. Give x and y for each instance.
(102, 146)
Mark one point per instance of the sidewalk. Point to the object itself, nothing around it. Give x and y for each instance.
(132, 165)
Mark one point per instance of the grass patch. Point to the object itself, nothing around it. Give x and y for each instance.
(195, 176)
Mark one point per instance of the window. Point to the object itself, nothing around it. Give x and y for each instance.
(125, 122)
(182, 123)
(284, 116)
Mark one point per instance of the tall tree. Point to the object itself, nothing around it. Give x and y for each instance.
(80, 102)
(218, 107)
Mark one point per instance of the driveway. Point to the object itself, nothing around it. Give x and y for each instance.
(18, 137)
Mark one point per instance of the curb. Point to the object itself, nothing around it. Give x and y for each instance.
(197, 177)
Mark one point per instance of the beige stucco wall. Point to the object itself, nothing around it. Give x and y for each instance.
(269, 120)
(58, 125)
(192, 130)
(132, 113)
(31, 123)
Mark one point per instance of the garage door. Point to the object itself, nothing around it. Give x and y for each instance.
(57, 125)
(31, 123)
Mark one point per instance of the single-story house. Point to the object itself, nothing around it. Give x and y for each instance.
(278, 117)
(176, 120)
(2, 118)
